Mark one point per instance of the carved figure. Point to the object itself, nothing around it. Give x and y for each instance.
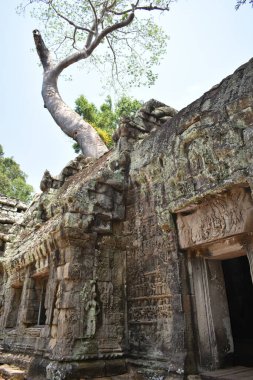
(93, 309)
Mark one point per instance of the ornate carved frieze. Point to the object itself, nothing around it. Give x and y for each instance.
(221, 216)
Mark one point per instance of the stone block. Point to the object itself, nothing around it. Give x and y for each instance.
(91, 369)
(71, 219)
(115, 367)
(105, 201)
(69, 300)
(54, 329)
(60, 271)
(52, 343)
(45, 332)
(102, 226)
(66, 271)
(68, 253)
(118, 212)
(243, 119)
(55, 316)
(11, 372)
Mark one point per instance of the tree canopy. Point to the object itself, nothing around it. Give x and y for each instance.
(105, 119)
(13, 179)
(119, 37)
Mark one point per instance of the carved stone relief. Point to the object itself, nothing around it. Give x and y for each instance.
(220, 216)
(153, 301)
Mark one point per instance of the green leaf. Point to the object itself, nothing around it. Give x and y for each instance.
(13, 179)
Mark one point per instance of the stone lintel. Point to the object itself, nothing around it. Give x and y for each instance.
(44, 272)
(225, 248)
(215, 220)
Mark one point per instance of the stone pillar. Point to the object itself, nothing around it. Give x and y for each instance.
(249, 252)
(214, 337)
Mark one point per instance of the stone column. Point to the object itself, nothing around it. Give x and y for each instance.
(249, 252)
(214, 337)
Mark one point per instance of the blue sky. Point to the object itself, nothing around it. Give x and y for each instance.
(208, 41)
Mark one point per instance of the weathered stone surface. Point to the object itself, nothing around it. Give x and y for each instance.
(11, 211)
(152, 115)
(11, 372)
(94, 282)
(229, 214)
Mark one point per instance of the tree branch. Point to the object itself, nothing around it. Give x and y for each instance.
(75, 57)
(145, 8)
(94, 28)
(91, 35)
(69, 21)
(42, 50)
(85, 53)
(111, 6)
(114, 58)
(110, 29)
(94, 12)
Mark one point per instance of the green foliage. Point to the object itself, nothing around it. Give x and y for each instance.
(127, 106)
(83, 107)
(126, 56)
(105, 119)
(13, 179)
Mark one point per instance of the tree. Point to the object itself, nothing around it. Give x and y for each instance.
(116, 32)
(13, 179)
(241, 2)
(105, 119)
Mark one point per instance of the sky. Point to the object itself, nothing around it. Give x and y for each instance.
(208, 41)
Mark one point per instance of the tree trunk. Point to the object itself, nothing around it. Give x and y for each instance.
(68, 120)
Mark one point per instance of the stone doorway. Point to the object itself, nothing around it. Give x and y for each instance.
(222, 309)
(239, 290)
(216, 236)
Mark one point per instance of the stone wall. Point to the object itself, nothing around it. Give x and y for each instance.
(203, 148)
(155, 317)
(103, 275)
(11, 211)
(203, 155)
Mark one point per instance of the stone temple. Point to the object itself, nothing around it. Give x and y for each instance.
(139, 265)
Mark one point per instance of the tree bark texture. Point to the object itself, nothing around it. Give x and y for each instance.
(67, 119)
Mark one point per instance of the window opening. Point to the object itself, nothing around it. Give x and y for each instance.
(42, 310)
(36, 311)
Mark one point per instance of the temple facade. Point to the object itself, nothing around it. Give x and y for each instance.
(139, 265)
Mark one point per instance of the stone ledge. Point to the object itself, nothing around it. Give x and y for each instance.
(12, 372)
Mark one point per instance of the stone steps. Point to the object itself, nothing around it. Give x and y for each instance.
(233, 373)
(13, 359)
(8, 372)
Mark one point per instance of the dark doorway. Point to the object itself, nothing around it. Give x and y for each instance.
(41, 296)
(35, 313)
(239, 290)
